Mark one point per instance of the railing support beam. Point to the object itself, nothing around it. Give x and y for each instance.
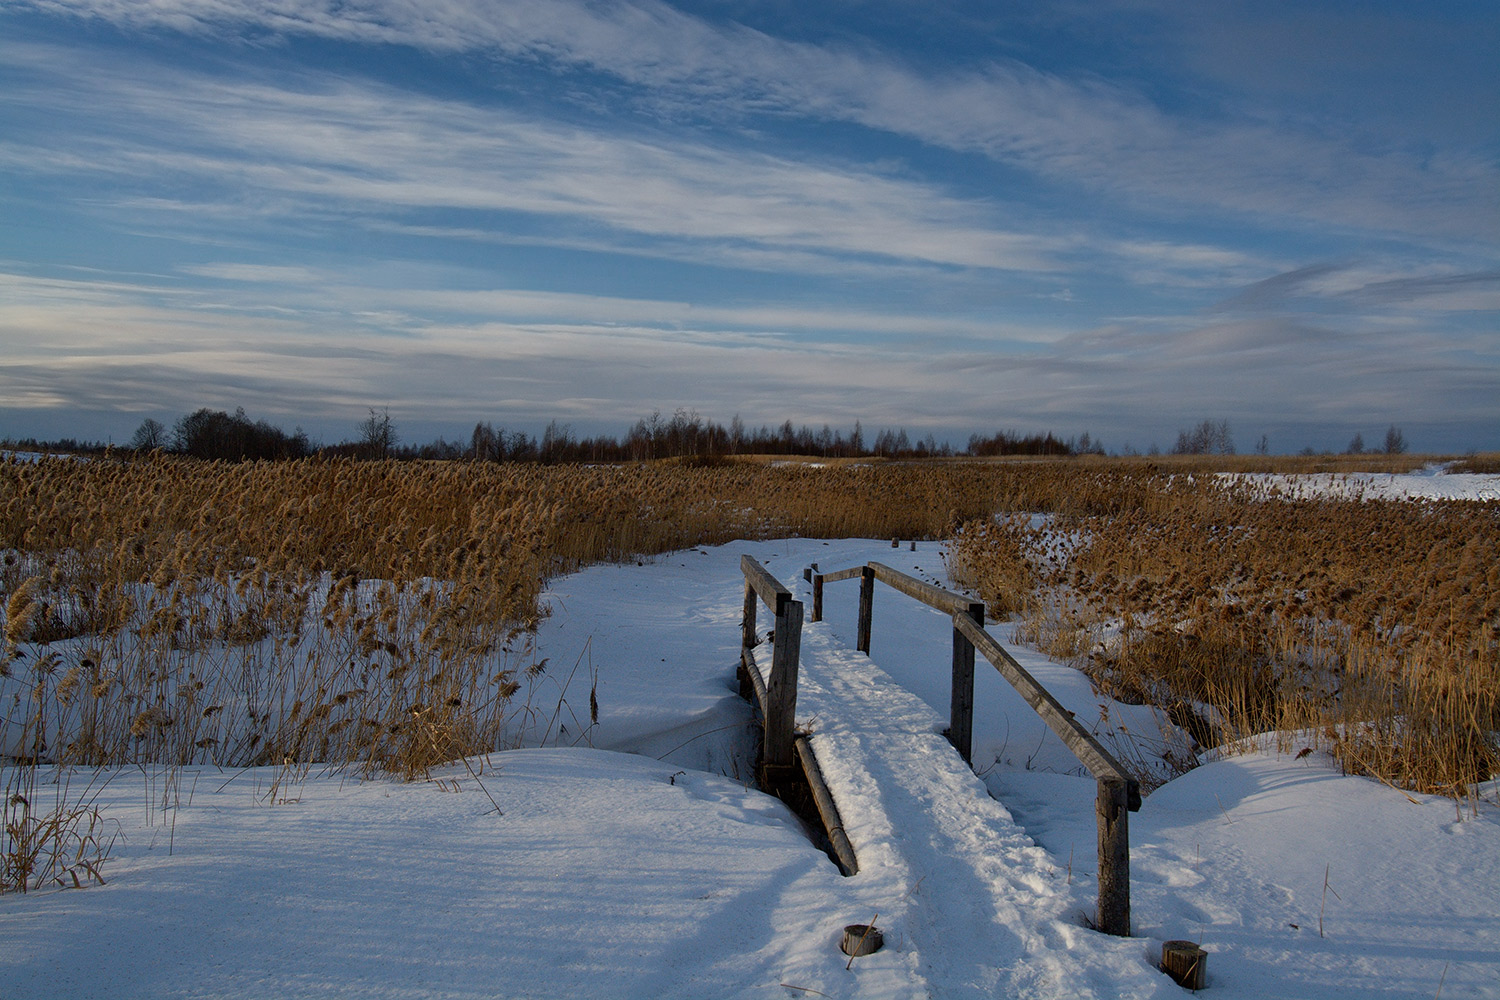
(1112, 806)
(781, 687)
(866, 608)
(961, 704)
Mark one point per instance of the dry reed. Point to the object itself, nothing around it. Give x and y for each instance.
(1371, 625)
(379, 614)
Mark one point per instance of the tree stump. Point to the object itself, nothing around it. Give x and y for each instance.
(1186, 963)
(861, 939)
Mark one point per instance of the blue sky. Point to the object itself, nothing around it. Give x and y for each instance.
(1115, 216)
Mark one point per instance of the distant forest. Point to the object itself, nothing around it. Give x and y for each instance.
(215, 434)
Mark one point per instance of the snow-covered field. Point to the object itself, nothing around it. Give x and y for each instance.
(1433, 482)
(637, 863)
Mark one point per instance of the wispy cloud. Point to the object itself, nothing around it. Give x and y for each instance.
(1094, 133)
(599, 362)
(342, 148)
(672, 208)
(1434, 288)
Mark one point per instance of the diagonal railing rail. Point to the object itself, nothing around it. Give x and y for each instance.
(1118, 792)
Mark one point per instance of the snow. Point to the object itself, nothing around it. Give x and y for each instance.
(634, 861)
(1432, 482)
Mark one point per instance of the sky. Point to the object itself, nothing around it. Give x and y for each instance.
(1119, 217)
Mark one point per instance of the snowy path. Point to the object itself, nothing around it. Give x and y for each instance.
(969, 905)
(978, 906)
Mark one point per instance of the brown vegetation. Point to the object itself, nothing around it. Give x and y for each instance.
(378, 614)
(1371, 625)
(178, 611)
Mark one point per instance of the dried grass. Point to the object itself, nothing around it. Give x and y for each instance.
(1373, 623)
(379, 614)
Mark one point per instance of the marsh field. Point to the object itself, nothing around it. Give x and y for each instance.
(378, 616)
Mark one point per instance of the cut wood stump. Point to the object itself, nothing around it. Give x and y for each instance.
(861, 939)
(1186, 963)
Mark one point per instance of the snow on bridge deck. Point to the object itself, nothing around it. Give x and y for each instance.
(963, 880)
(968, 903)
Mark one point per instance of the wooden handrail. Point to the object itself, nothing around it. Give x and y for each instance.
(766, 586)
(933, 597)
(777, 690)
(1089, 751)
(1118, 793)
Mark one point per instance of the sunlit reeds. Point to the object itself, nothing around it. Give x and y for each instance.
(378, 615)
(1372, 626)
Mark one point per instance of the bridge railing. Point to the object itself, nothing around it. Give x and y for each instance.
(788, 766)
(1118, 792)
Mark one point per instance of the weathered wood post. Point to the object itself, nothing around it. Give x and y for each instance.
(961, 705)
(866, 609)
(747, 623)
(1186, 963)
(747, 638)
(817, 609)
(1118, 791)
(1112, 806)
(781, 686)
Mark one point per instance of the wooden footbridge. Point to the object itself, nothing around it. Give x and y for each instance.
(789, 767)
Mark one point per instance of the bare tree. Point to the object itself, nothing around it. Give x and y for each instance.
(377, 434)
(1208, 438)
(1395, 441)
(150, 435)
(486, 444)
(1356, 445)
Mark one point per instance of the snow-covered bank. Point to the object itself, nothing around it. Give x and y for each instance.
(1433, 482)
(603, 875)
(618, 876)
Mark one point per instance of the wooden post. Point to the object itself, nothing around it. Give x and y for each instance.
(781, 687)
(866, 609)
(1112, 806)
(747, 623)
(747, 639)
(961, 704)
(817, 611)
(1186, 963)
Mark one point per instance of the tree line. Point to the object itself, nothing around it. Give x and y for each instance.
(215, 434)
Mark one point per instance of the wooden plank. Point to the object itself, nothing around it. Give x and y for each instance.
(757, 680)
(843, 574)
(1111, 807)
(833, 824)
(937, 597)
(748, 637)
(1100, 762)
(961, 702)
(767, 586)
(866, 609)
(781, 687)
(817, 608)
